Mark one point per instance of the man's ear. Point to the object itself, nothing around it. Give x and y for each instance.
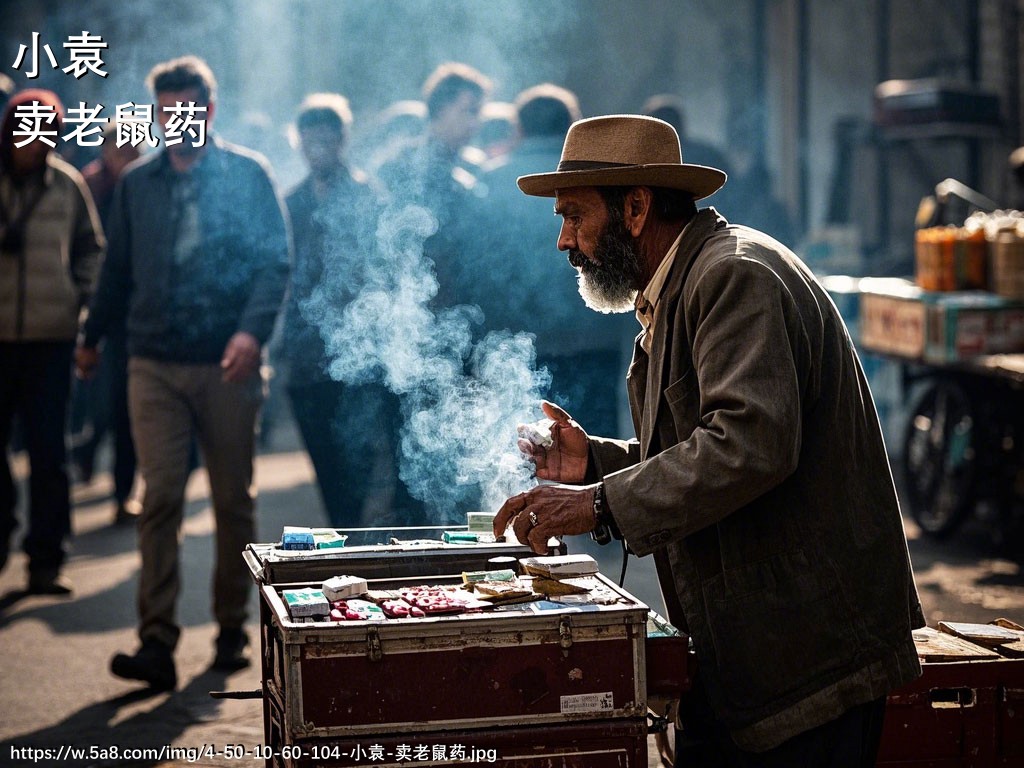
(638, 207)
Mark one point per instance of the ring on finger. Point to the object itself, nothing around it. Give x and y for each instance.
(533, 519)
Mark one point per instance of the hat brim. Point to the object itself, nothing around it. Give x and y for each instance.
(698, 180)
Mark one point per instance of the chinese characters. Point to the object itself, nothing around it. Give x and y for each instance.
(83, 124)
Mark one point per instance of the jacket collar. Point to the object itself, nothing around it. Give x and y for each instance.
(703, 226)
(211, 160)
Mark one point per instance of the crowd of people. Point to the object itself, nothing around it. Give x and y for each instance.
(163, 279)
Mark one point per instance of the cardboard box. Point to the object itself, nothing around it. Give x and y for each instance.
(898, 318)
(892, 317)
(966, 324)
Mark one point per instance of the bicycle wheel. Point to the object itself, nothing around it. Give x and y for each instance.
(940, 458)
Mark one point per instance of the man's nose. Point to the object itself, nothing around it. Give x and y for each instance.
(566, 237)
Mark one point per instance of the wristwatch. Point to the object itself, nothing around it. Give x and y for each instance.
(602, 532)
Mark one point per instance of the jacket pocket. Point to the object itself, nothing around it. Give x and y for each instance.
(683, 402)
(777, 630)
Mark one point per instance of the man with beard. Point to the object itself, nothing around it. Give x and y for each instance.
(758, 480)
(196, 266)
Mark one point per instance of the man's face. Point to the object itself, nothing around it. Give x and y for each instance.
(458, 122)
(321, 146)
(30, 157)
(164, 99)
(600, 248)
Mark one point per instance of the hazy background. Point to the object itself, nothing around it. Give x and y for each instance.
(763, 77)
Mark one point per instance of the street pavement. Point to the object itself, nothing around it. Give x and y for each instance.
(56, 691)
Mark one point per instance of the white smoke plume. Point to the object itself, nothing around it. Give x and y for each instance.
(461, 402)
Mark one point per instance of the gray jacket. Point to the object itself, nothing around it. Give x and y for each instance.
(45, 284)
(760, 482)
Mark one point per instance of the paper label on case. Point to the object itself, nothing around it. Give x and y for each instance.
(587, 702)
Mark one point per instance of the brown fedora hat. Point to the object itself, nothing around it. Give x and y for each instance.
(623, 150)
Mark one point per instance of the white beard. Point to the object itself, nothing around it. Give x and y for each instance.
(606, 299)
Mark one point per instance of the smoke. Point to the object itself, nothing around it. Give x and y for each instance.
(461, 401)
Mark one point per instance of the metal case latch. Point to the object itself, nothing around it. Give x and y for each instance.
(565, 633)
(373, 651)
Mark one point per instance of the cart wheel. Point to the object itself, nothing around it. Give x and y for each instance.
(939, 459)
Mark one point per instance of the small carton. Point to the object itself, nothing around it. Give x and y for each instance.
(343, 587)
(328, 538)
(297, 538)
(480, 522)
(306, 602)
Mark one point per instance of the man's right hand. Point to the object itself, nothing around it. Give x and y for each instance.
(566, 459)
(86, 360)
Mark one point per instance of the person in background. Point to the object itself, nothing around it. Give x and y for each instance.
(380, 137)
(497, 135)
(751, 193)
(106, 394)
(670, 108)
(197, 267)
(582, 350)
(426, 169)
(347, 428)
(758, 478)
(51, 242)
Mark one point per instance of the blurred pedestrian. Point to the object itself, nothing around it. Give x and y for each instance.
(347, 428)
(670, 108)
(380, 137)
(426, 169)
(51, 242)
(496, 136)
(582, 350)
(197, 266)
(105, 395)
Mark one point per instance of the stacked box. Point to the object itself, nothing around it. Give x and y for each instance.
(898, 318)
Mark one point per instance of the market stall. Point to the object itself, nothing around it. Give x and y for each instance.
(957, 330)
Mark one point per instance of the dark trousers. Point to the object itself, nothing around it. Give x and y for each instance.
(35, 386)
(347, 429)
(106, 401)
(849, 741)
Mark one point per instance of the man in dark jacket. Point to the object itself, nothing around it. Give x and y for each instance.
(198, 262)
(758, 480)
(349, 429)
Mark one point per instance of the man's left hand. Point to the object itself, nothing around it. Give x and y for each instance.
(241, 357)
(546, 511)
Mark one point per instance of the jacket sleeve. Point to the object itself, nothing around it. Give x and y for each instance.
(743, 437)
(271, 250)
(608, 455)
(87, 243)
(109, 305)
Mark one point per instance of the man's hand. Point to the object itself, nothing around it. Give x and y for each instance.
(86, 360)
(241, 357)
(546, 511)
(565, 461)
